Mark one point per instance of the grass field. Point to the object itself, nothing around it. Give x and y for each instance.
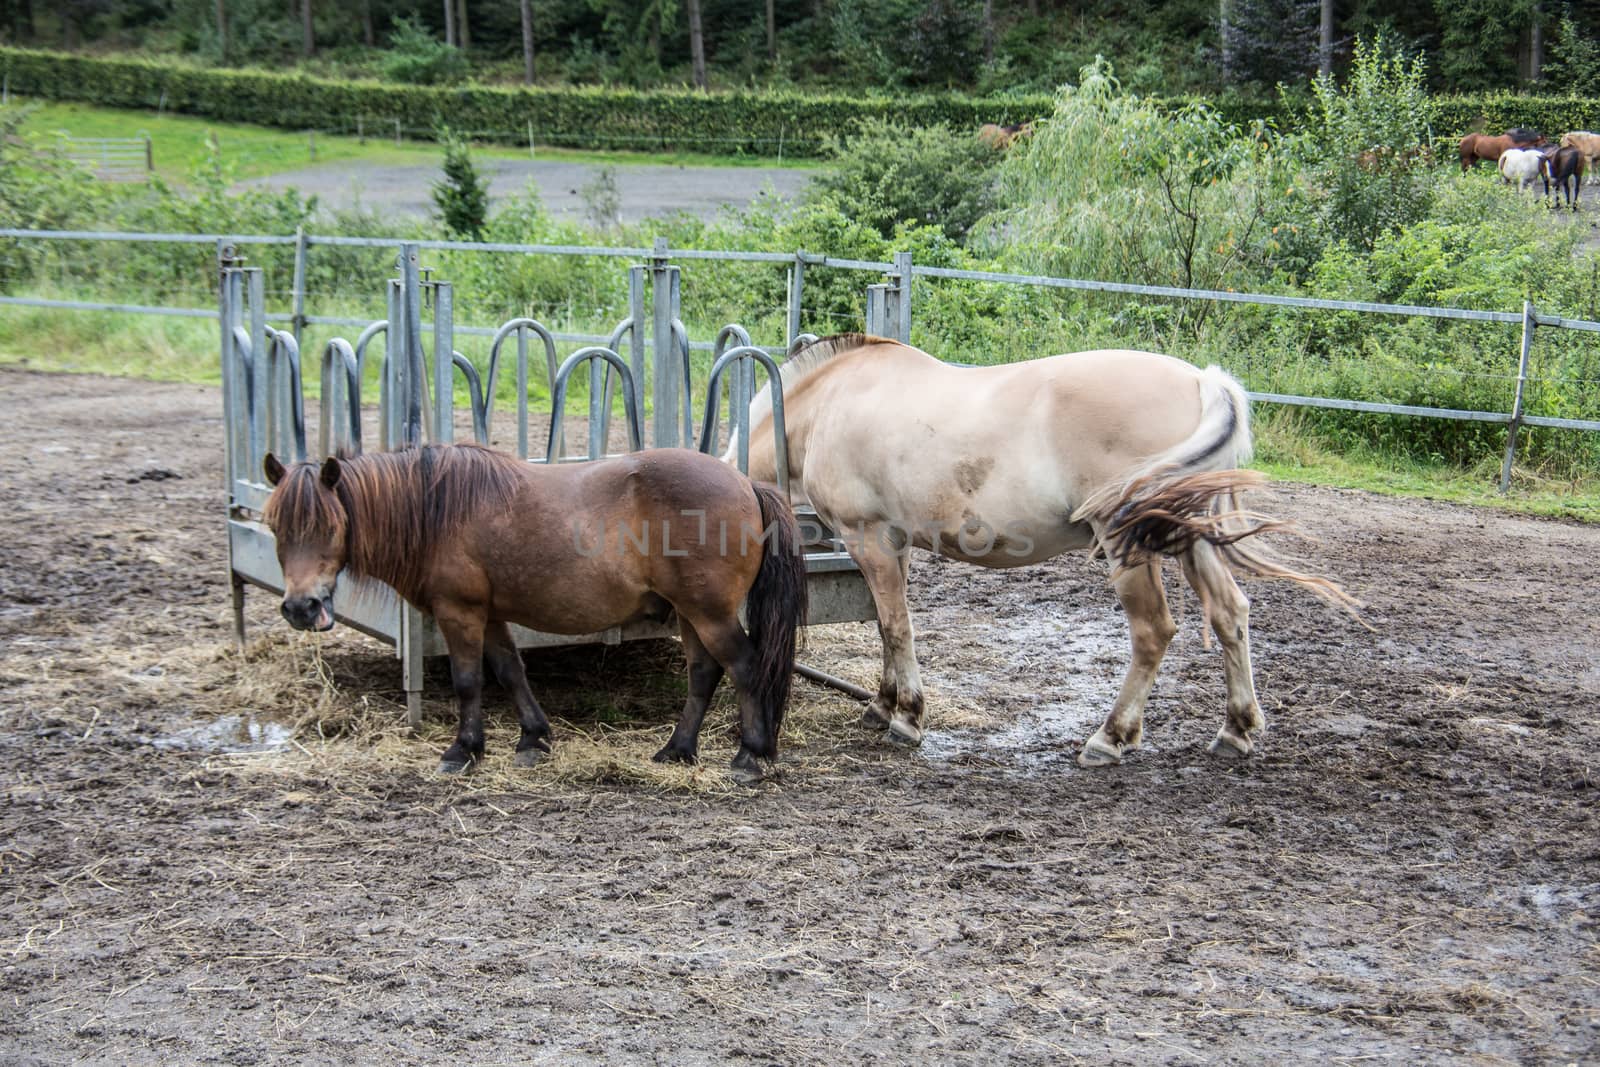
(179, 144)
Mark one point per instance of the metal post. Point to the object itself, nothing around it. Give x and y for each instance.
(877, 298)
(902, 310)
(637, 359)
(409, 648)
(444, 417)
(228, 297)
(1528, 326)
(411, 356)
(299, 295)
(394, 346)
(667, 379)
(149, 155)
(797, 288)
(262, 405)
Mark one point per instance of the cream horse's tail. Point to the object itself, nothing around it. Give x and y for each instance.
(1189, 493)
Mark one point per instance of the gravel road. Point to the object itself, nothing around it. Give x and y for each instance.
(643, 190)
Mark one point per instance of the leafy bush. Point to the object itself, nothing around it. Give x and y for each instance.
(416, 57)
(889, 174)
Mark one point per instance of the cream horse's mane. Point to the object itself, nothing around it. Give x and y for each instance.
(802, 361)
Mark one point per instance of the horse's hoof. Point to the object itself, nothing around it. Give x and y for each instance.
(904, 733)
(452, 767)
(873, 719)
(1098, 752)
(529, 757)
(673, 755)
(746, 769)
(1229, 746)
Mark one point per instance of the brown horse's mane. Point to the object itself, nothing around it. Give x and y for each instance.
(396, 508)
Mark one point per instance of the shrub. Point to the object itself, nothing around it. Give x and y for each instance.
(416, 57)
(889, 174)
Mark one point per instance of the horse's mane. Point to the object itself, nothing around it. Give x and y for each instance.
(804, 358)
(396, 507)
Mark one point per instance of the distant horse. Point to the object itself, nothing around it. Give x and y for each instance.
(478, 539)
(1000, 138)
(1520, 165)
(1589, 144)
(1480, 146)
(1564, 167)
(1129, 452)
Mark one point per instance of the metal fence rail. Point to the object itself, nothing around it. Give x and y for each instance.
(889, 304)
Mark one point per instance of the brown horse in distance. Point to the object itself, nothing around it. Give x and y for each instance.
(1476, 147)
(480, 539)
(1000, 138)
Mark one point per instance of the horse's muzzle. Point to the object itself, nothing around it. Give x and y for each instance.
(309, 612)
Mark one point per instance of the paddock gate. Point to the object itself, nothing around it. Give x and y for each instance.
(419, 373)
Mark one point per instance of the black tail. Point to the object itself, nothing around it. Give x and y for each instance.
(775, 609)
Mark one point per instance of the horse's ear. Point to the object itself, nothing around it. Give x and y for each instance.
(331, 471)
(273, 469)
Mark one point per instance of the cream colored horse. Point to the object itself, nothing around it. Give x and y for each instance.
(1007, 465)
(1589, 144)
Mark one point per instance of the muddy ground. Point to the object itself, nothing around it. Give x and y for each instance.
(1408, 870)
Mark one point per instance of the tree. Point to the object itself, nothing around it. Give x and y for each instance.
(308, 45)
(462, 197)
(1270, 41)
(527, 41)
(1325, 41)
(697, 44)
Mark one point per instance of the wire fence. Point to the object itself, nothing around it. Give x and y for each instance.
(895, 293)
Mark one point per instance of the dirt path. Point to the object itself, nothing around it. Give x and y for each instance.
(567, 189)
(1409, 870)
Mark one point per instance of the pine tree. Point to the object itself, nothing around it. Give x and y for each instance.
(462, 197)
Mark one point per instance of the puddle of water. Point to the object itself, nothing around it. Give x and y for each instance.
(1085, 654)
(229, 734)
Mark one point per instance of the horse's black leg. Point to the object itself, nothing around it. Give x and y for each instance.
(731, 648)
(704, 674)
(506, 664)
(463, 636)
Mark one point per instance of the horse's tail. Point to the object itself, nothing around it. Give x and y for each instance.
(775, 609)
(1190, 493)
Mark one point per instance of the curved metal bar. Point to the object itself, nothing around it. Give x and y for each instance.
(337, 356)
(680, 333)
(800, 341)
(475, 398)
(241, 343)
(283, 341)
(558, 399)
(780, 439)
(520, 327)
(614, 343)
(363, 340)
(731, 332)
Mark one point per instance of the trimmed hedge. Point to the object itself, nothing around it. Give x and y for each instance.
(1498, 112)
(734, 123)
(757, 124)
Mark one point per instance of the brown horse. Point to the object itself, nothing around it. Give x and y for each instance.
(479, 539)
(1131, 453)
(1476, 147)
(1000, 138)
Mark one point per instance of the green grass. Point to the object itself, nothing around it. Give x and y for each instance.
(179, 144)
(1286, 452)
